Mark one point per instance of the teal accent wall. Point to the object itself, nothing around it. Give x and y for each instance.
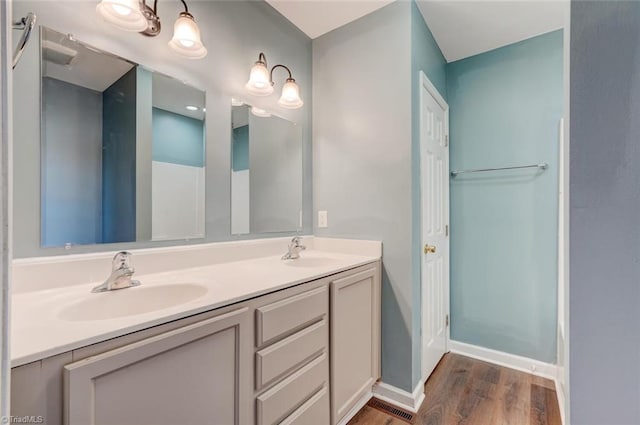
(177, 139)
(241, 148)
(505, 106)
(427, 57)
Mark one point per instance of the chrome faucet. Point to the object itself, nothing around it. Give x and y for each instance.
(294, 249)
(121, 272)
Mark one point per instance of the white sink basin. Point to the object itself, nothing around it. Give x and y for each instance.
(131, 301)
(310, 262)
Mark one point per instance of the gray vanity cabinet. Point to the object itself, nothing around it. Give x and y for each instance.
(197, 374)
(304, 355)
(355, 339)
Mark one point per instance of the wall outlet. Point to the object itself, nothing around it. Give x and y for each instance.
(323, 220)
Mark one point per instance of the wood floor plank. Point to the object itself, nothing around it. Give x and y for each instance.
(553, 409)
(479, 403)
(457, 383)
(464, 391)
(544, 406)
(436, 391)
(513, 399)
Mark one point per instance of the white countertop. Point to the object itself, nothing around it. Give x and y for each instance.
(38, 331)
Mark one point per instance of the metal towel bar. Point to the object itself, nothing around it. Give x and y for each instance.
(542, 166)
(26, 24)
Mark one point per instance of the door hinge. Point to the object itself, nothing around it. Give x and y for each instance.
(446, 140)
(446, 320)
(446, 230)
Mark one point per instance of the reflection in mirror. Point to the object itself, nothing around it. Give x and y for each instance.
(122, 149)
(266, 172)
(178, 195)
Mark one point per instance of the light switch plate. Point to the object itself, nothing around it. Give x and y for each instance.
(323, 220)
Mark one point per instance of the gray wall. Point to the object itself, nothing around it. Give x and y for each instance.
(71, 164)
(605, 213)
(367, 163)
(233, 31)
(362, 158)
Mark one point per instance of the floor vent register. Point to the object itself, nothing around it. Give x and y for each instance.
(390, 409)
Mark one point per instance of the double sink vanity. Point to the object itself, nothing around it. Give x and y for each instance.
(226, 333)
(203, 332)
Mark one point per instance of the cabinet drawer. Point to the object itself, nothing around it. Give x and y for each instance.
(277, 319)
(314, 411)
(283, 399)
(286, 355)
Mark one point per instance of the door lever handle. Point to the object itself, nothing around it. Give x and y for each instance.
(429, 249)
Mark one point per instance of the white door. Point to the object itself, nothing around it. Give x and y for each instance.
(434, 151)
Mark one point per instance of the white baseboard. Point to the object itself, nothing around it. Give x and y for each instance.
(524, 364)
(355, 409)
(401, 398)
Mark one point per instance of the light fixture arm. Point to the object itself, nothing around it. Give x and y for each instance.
(155, 6)
(151, 14)
(280, 66)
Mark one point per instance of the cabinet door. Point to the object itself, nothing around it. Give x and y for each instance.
(199, 374)
(355, 333)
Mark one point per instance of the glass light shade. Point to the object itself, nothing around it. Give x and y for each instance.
(124, 14)
(259, 83)
(258, 112)
(186, 38)
(290, 98)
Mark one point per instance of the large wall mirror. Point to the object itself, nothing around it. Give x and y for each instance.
(266, 172)
(122, 149)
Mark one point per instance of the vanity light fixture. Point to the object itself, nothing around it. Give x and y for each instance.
(259, 112)
(136, 15)
(261, 84)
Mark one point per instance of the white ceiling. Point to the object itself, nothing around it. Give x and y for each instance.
(318, 17)
(462, 28)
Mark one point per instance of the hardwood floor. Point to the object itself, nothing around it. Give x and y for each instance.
(464, 391)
